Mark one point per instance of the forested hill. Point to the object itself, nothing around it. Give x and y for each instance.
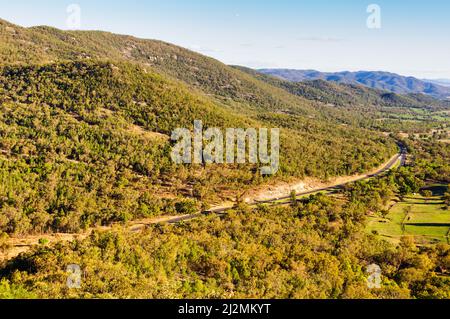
(85, 124)
(89, 100)
(378, 80)
(363, 106)
(45, 45)
(347, 94)
(231, 86)
(86, 143)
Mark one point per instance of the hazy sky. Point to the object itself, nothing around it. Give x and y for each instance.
(332, 35)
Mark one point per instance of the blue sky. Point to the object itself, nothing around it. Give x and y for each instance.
(414, 38)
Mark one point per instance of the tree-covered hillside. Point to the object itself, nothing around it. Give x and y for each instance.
(88, 142)
(85, 125)
(367, 107)
(374, 79)
(86, 118)
(315, 248)
(45, 45)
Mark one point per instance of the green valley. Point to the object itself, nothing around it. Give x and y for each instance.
(87, 178)
(427, 219)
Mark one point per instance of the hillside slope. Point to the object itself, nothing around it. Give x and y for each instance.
(46, 45)
(232, 87)
(85, 143)
(377, 80)
(86, 117)
(363, 106)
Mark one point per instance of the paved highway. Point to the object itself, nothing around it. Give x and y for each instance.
(25, 244)
(389, 166)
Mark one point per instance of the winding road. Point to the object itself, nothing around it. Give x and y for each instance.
(400, 159)
(21, 245)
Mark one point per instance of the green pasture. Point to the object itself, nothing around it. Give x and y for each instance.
(426, 219)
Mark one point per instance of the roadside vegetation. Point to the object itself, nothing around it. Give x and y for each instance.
(85, 120)
(420, 210)
(317, 247)
(87, 143)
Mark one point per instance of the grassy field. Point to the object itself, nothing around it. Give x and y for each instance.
(424, 218)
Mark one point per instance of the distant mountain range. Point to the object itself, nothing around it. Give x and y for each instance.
(377, 80)
(441, 82)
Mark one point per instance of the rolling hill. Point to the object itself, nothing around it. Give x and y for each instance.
(46, 45)
(85, 120)
(441, 82)
(366, 107)
(349, 94)
(378, 80)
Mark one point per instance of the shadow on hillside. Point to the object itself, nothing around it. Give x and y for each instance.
(437, 190)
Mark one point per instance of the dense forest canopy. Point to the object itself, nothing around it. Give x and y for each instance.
(315, 248)
(96, 129)
(85, 125)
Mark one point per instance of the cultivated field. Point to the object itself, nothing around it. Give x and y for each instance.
(426, 219)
